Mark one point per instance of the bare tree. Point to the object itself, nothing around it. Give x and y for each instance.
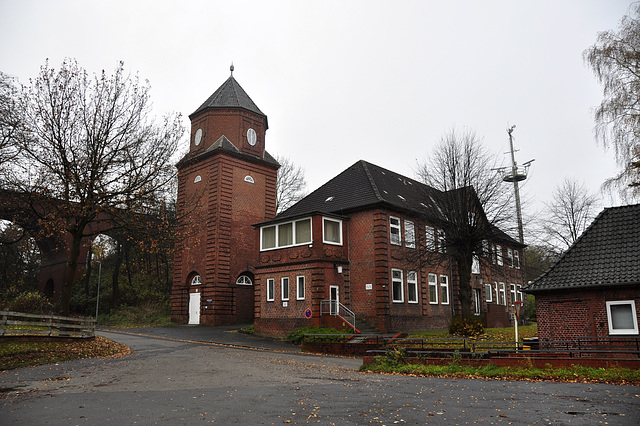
(615, 61)
(290, 184)
(9, 121)
(472, 204)
(91, 151)
(572, 209)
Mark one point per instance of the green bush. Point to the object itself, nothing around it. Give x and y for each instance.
(30, 302)
(466, 326)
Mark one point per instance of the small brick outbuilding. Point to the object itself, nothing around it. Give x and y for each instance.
(594, 288)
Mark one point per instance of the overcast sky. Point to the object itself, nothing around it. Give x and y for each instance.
(341, 81)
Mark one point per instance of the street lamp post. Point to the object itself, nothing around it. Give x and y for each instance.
(98, 295)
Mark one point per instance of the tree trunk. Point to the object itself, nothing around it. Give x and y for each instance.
(72, 268)
(465, 296)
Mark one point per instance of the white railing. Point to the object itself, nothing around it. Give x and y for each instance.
(19, 324)
(337, 309)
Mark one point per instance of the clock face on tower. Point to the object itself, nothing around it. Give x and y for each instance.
(251, 137)
(198, 137)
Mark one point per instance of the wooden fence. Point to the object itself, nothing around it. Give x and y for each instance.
(17, 324)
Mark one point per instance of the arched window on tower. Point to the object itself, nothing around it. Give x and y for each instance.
(244, 280)
(196, 280)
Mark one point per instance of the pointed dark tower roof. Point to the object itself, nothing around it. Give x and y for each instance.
(230, 95)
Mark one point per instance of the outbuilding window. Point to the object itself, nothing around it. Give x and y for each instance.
(622, 317)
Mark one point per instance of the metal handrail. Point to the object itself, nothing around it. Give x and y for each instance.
(334, 308)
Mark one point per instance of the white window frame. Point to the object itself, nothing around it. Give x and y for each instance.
(499, 255)
(412, 283)
(502, 295)
(442, 240)
(284, 297)
(409, 234)
(293, 236)
(612, 330)
(300, 290)
(492, 253)
(444, 289)
(271, 284)
(510, 257)
(433, 289)
(512, 291)
(488, 289)
(475, 264)
(244, 279)
(516, 258)
(196, 280)
(519, 292)
(430, 238)
(396, 280)
(395, 238)
(339, 222)
(476, 301)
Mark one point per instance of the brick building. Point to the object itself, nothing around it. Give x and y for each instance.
(367, 244)
(594, 288)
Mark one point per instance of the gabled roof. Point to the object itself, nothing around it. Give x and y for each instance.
(366, 185)
(362, 185)
(230, 95)
(606, 254)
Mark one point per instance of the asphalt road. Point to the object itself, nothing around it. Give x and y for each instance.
(180, 376)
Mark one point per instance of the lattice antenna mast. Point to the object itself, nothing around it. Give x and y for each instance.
(517, 175)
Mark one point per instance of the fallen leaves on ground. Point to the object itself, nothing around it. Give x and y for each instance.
(14, 354)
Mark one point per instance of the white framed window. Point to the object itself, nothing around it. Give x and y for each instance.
(412, 287)
(433, 289)
(502, 296)
(519, 293)
(331, 231)
(397, 292)
(442, 241)
(510, 257)
(409, 234)
(300, 287)
(485, 248)
(516, 259)
(512, 291)
(499, 255)
(492, 253)
(270, 289)
(196, 280)
(286, 234)
(475, 264)
(430, 238)
(394, 231)
(488, 290)
(476, 301)
(444, 289)
(244, 280)
(622, 318)
(284, 288)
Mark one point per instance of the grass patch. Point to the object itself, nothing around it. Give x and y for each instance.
(297, 336)
(148, 315)
(395, 364)
(506, 334)
(22, 354)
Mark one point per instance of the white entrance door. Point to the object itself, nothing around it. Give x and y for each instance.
(334, 297)
(194, 308)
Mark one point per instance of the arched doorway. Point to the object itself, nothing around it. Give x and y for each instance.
(245, 304)
(194, 300)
